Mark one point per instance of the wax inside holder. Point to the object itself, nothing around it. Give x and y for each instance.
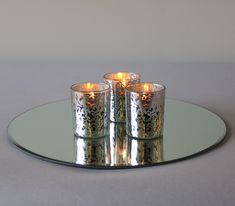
(89, 87)
(145, 87)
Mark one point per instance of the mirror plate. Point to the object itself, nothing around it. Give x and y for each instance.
(46, 132)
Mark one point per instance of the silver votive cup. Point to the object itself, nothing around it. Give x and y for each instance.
(118, 82)
(90, 102)
(145, 110)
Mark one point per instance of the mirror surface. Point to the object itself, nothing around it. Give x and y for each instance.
(46, 131)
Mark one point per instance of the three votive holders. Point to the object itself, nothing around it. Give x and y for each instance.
(122, 98)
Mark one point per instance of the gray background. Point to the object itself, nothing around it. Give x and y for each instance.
(208, 179)
(117, 30)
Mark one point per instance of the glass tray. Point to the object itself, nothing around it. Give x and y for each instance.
(46, 132)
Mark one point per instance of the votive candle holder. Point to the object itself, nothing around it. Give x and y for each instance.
(118, 81)
(90, 102)
(145, 110)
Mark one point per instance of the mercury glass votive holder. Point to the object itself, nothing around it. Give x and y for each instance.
(145, 110)
(90, 102)
(118, 82)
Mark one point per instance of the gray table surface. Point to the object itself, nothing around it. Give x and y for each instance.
(208, 179)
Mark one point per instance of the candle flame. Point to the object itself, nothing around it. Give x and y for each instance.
(120, 75)
(146, 87)
(122, 78)
(89, 86)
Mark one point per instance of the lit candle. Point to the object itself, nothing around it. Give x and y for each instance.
(145, 110)
(90, 103)
(118, 82)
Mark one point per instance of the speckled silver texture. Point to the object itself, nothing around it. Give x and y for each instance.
(90, 110)
(145, 110)
(117, 94)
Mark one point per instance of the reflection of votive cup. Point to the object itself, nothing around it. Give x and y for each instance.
(118, 144)
(145, 110)
(118, 82)
(144, 151)
(90, 103)
(92, 151)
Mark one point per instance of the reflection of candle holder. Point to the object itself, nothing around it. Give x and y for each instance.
(118, 82)
(118, 144)
(145, 110)
(141, 151)
(90, 109)
(92, 151)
